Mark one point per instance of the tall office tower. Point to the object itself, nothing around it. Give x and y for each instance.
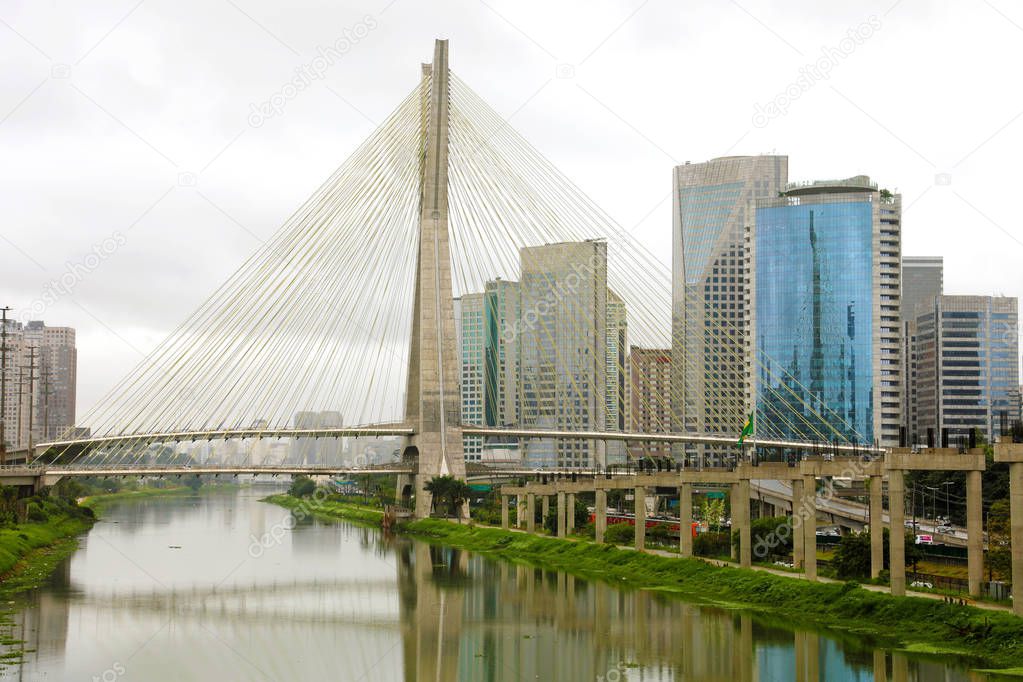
(469, 311)
(40, 397)
(827, 323)
(650, 378)
(303, 450)
(562, 349)
(502, 314)
(316, 450)
(711, 257)
(967, 366)
(922, 281)
(489, 371)
(617, 394)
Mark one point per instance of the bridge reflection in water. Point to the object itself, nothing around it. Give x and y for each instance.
(344, 602)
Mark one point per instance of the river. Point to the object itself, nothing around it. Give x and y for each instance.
(223, 587)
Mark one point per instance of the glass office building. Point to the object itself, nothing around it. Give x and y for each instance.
(968, 366)
(827, 330)
(711, 352)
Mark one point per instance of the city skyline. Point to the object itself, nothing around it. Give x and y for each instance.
(951, 176)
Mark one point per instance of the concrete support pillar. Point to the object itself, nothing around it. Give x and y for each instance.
(741, 521)
(685, 516)
(600, 514)
(570, 512)
(797, 524)
(561, 515)
(504, 512)
(640, 507)
(530, 512)
(809, 515)
(876, 526)
(545, 511)
(1016, 534)
(974, 532)
(520, 511)
(897, 533)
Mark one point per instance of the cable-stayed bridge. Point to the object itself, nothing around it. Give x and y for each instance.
(350, 309)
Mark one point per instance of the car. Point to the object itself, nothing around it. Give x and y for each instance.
(946, 529)
(908, 523)
(921, 583)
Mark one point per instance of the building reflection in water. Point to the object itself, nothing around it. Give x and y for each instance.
(467, 618)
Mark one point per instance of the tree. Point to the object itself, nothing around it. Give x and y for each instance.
(450, 490)
(194, 482)
(770, 537)
(711, 513)
(302, 486)
(852, 555)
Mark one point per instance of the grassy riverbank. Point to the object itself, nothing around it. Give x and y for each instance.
(330, 510)
(917, 624)
(99, 501)
(30, 551)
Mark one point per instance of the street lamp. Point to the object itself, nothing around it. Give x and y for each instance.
(948, 512)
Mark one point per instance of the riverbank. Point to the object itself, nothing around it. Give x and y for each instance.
(329, 510)
(98, 502)
(30, 551)
(915, 624)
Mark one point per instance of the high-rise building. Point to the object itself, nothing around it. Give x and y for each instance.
(711, 354)
(489, 371)
(922, 281)
(967, 366)
(316, 450)
(471, 319)
(40, 396)
(502, 314)
(650, 379)
(562, 335)
(617, 394)
(828, 326)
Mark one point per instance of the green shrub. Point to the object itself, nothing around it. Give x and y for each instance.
(620, 534)
(711, 544)
(36, 513)
(302, 486)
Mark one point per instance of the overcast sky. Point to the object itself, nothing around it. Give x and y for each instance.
(127, 128)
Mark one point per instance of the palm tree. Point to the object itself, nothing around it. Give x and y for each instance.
(450, 489)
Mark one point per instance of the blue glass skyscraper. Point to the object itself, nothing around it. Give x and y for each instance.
(826, 326)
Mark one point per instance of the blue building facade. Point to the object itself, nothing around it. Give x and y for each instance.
(816, 304)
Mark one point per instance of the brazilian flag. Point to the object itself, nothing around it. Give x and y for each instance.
(747, 430)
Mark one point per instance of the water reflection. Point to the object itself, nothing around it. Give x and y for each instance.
(169, 590)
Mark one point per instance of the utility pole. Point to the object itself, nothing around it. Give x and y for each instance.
(31, 397)
(3, 385)
(45, 375)
(20, 427)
